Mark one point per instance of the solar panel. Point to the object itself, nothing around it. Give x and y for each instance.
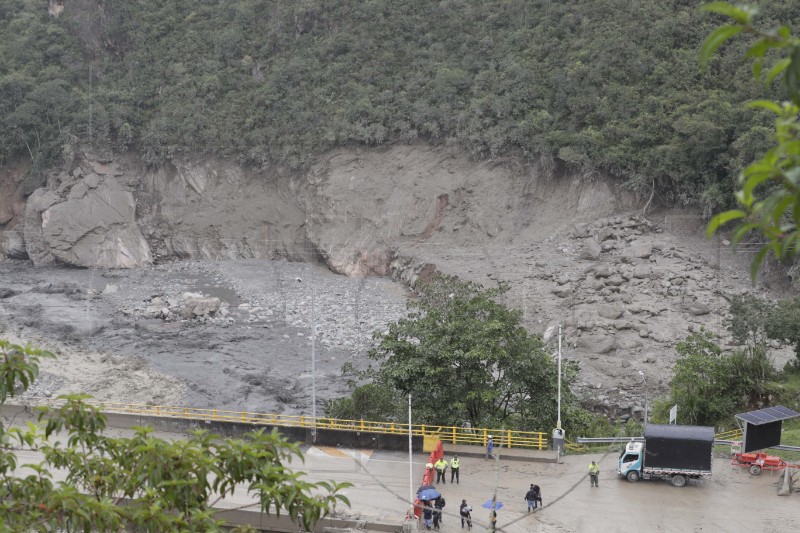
(768, 415)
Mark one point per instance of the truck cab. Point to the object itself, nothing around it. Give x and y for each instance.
(630, 461)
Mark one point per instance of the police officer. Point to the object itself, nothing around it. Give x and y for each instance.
(454, 464)
(441, 467)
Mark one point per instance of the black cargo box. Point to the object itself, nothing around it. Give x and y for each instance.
(683, 447)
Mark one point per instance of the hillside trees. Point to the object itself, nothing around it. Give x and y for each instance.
(601, 85)
(464, 356)
(142, 482)
(709, 386)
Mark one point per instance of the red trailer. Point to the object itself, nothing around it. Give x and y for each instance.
(758, 461)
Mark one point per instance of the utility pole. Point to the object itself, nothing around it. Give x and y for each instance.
(558, 423)
(410, 457)
(644, 380)
(313, 358)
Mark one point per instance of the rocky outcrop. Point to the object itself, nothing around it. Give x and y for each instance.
(87, 221)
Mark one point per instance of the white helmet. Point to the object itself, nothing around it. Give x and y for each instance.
(490, 436)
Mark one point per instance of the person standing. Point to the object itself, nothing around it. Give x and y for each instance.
(490, 448)
(466, 514)
(441, 468)
(427, 514)
(454, 464)
(438, 505)
(594, 473)
(530, 497)
(538, 493)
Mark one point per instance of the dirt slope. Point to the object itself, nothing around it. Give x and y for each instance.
(574, 248)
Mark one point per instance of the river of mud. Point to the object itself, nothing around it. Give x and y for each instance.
(253, 354)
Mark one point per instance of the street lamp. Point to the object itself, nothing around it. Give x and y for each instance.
(644, 380)
(313, 359)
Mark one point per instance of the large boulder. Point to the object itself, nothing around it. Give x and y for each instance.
(598, 344)
(38, 202)
(93, 227)
(610, 311)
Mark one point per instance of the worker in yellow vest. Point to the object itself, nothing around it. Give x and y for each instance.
(594, 472)
(441, 467)
(454, 464)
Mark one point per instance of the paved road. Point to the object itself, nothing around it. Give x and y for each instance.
(731, 501)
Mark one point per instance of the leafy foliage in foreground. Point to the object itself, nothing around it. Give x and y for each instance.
(769, 189)
(142, 482)
(602, 85)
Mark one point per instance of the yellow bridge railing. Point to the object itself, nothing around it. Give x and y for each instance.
(734, 434)
(506, 438)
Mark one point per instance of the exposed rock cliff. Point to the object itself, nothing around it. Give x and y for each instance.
(572, 247)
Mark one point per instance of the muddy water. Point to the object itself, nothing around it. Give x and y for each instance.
(257, 358)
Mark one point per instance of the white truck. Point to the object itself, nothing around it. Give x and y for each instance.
(673, 453)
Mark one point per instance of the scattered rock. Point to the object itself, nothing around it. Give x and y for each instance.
(699, 308)
(597, 344)
(563, 291)
(610, 311)
(591, 250)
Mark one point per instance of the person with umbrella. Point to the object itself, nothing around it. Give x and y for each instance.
(494, 505)
(427, 513)
(428, 493)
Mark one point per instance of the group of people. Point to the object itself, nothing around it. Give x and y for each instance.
(441, 469)
(533, 497)
(432, 512)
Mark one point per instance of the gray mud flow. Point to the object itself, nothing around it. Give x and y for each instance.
(253, 353)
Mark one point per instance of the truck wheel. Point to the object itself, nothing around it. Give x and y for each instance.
(678, 481)
(755, 470)
(633, 476)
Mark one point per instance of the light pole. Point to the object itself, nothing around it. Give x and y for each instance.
(313, 359)
(644, 380)
(558, 423)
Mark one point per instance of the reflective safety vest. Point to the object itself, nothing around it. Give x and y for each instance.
(441, 464)
(454, 463)
(594, 469)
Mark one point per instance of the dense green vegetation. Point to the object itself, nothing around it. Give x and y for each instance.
(710, 385)
(463, 357)
(600, 85)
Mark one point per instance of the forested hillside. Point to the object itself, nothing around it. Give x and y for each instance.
(601, 85)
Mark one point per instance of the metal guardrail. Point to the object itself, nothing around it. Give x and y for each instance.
(608, 440)
(506, 438)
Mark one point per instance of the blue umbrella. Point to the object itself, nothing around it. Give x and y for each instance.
(492, 503)
(428, 494)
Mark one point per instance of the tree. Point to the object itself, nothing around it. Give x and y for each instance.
(754, 320)
(709, 386)
(463, 356)
(165, 486)
(769, 191)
